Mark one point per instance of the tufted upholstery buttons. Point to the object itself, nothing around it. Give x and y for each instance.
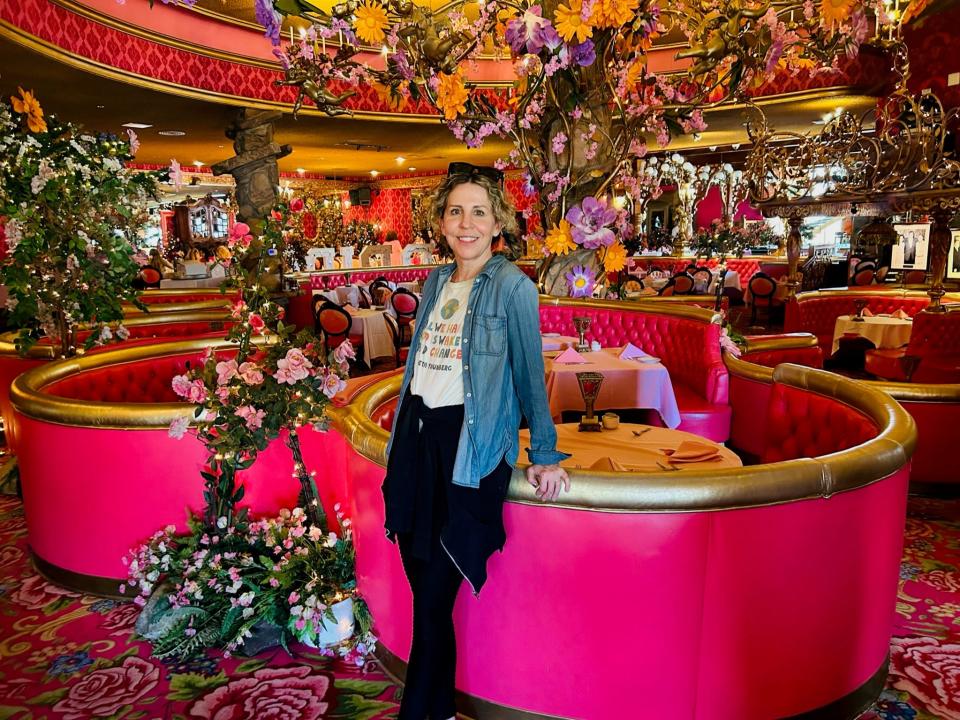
(935, 339)
(199, 296)
(145, 381)
(818, 315)
(802, 424)
(690, 350)
(368, 275)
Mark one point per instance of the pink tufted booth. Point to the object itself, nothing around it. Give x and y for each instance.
(935, 340)
(746, 267)
(167, 297)
(677, 554)
(817, 312)
(684, 338)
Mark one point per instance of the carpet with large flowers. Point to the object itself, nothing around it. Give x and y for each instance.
(64, 655)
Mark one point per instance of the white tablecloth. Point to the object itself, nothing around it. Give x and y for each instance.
(209, 282)
(377, 341)
(413, 287)
(731, 279)
(882, 331)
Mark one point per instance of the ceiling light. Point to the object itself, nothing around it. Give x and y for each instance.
(171, 133)
(713, 148)
(137, 126)
(374, 173)
(400, 160)
(198, 163)
(411, 169)
(100, 107)
(300, 171)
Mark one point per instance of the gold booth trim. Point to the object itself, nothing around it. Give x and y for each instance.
(906, 392)
(674, 309)
(179, 307)
(786, 341)
(867, 290)
(27, 396)
(700, 490)
(8, 339)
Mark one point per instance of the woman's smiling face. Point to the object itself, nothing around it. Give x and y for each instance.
(469, 224)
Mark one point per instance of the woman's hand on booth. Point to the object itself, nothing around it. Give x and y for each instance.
(548, 479)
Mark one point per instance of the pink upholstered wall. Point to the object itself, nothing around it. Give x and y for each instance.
(390, 209)
(710, 209)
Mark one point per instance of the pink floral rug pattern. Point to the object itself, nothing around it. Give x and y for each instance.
(70, 656)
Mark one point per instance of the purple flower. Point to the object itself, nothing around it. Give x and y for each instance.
(530, 32)
(589, 223)
(583, 54)
(581, 280)
(269, 18)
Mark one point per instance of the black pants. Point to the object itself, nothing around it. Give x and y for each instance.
(431, 672)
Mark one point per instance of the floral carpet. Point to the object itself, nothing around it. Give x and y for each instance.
(70, 656)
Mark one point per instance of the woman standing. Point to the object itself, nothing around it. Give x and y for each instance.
(475, 366)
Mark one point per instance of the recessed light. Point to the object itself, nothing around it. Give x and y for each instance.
(171, 133)
(400, 160)
(100, 107)
(411, 169)
(374, 173)
(300, 171)
(198, 163)
(137, 126)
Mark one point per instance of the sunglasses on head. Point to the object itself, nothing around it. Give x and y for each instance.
(468, 169)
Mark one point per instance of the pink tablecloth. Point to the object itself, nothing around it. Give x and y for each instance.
(626, 384)
(554, 341)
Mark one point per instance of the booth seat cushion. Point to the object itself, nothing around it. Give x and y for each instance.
(886, 363)
(146, 381)
(935, 339)
(700, 417)
(802, 424)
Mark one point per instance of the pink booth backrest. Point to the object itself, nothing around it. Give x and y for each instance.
(818, 315)
(333, 280)
(689, 349)
(800, 424)
(145, 381)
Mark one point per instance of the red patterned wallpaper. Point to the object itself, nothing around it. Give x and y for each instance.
(933, 55)
(390, 209)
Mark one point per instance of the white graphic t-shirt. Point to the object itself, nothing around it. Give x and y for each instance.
(438, 368)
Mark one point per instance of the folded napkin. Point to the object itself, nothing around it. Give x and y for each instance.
(901, 315)
(570, 357)
(608, 464)
(631, 351)
(692, 451)
(867, 313)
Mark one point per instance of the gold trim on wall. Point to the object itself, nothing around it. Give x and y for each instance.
(950, 297)
(699, 490)
(785, 341)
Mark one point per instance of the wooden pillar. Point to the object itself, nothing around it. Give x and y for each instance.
(794, 240)
(940, 238)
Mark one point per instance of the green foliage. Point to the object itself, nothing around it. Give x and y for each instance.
(71, 214)
(189, 686)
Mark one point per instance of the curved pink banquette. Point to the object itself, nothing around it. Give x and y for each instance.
(817, 312)
(145, 329)
(659, 589)
(934, 406)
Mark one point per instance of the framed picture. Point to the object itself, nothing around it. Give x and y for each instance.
(953, 256)
(911, 250)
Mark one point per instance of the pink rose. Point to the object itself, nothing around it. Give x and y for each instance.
(197, 392)
(332, 384)
(103, 692)
(344, 352)
(121, 619)
(293, 367)
(222, 393)
(250, 372)
(296, 205)
(237, 309)
(181, 385)
(948, 581)
(289, 693)
(178, 427)
(226, 370)
(240, 229)
(35, 593)
(256, 322)
(928, 671)
(250, 415)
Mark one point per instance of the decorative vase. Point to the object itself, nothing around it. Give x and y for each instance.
(331, 633)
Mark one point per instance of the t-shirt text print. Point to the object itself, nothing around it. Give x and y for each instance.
(438, 367)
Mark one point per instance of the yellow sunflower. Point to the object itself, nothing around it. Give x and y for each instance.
(569, 24)
(559, 240)
(615, 258)
(370, 19)
(28, 105)
(834, 12)
(613, 13)
(393, 100)
(452, 95)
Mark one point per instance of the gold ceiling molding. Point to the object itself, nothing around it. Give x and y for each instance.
(163, 39)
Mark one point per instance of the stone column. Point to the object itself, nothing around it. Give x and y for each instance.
(254, 168)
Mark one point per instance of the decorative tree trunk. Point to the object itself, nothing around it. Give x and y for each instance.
(794, 241)
(940, 238)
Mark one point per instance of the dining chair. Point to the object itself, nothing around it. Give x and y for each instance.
(400, 350)
(683, 283)
(405, 305)
(150, 277)
(332, 322)
(702, 278)
(762, 290)
(915, 277)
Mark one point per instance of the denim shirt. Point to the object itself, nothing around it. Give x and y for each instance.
(503, 375)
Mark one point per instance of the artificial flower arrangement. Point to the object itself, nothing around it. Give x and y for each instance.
(70, 214)
(232, 575)
(724, 240)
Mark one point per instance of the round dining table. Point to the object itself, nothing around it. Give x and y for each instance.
(637, 448)
(882, 330)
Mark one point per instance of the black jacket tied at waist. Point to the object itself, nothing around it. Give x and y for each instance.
(422, 501)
